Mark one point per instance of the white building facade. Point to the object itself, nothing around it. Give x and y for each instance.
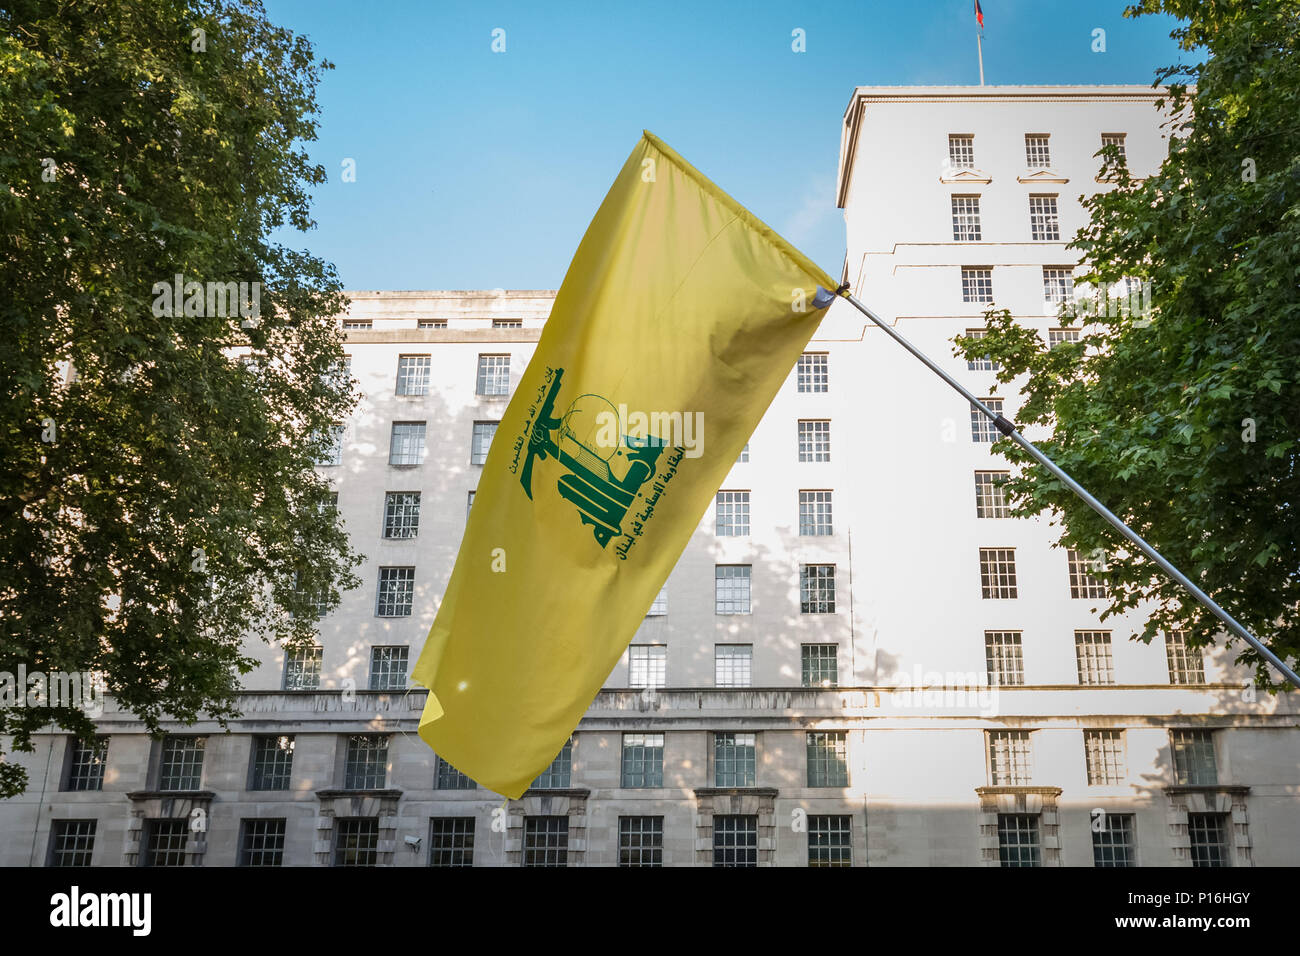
(858, 660)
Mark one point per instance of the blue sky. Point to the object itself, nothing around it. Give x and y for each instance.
(481, 170)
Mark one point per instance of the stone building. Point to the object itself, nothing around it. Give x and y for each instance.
(859, 659)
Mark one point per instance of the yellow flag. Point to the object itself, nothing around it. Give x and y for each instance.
(680, 317)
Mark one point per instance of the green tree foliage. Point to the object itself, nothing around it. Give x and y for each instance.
(158, 496)
(1184, 421)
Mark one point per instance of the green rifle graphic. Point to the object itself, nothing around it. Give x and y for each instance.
(603, 480)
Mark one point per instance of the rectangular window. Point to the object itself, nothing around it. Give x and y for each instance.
(732, 664)
(72, 842)
(1104, 754)
(163, 842)
(469, 503)
(272, 763)
(828, 764)
(1057, 337)
(830, 840)
(1038, 153)
(1186, 663)
(819, 666)
(559, 775)
(1044, 223)
(980, 363)
(744, 454)
(731, 588)
(1118, 140)
(813, 372)
(507, 323)
(1115, 843)
(261, 842)
(401, 514)
(451, 841)
(998, 573)
(356, 841)
(982, 429)
(86, 761)
(316, 600)
(1010, 758)
(302, 667)
(647, 665)
(546, 841)
(817, 589)
(448, 777)
(976, 285)
(1083, 583)
(1058, 284)
(413, 374)
(332, 453)
(732, 514)
(357, 324)
(1208, 835)
(431, 323)
(1019, 843)
(484, 432)
(640, 841)
(815, 441)
(1194, 763)
(735, 840)
(643, 760)
(815, 513)
(966, 218)
(396, 592)
(366, 764)
(181, 764)
(493, 375)
(990, 501)
(406, 446)
(659, 606)
(1092, 654)
(1004, 659)
(388, 666)
(734, 760)
(961, 151)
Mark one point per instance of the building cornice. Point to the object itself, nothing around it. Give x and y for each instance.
(864, 96)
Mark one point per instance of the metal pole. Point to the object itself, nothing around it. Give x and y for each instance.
(1010, 431)
(979, 41)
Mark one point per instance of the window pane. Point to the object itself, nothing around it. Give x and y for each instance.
(366, 763)
(732, 513)
(272, 763)
(413, 374)
(815, 513)
(388, 667)
(812, 372)
(732, 665)
(493, 375)
(261, 843)
(731, 588)
(640, 841)
(451, 841)
(401, 514)
(406, 447)
(819, 666)
(72, 842)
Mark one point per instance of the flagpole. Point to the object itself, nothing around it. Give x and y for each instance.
(979, 41)
(1009, 430)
